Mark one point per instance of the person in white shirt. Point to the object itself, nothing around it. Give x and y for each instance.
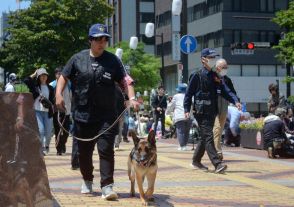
(10, 85)
(64, 117)
(43, 95)
(182, 124)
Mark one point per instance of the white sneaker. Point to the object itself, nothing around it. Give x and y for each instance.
(108, 193)
(86, 187)
(180, 148)
(184, 148)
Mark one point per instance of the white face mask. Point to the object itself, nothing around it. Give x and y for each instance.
(211, 63)
(223, 72)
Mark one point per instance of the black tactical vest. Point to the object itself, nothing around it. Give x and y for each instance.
(204, 100)
(94, 90)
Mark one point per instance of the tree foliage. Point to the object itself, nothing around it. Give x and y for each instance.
(285, 19)
(144, 68)
(49, 32)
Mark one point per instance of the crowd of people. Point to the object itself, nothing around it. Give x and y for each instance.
(91, 91)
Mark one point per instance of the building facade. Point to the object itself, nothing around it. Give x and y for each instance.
(129, 19)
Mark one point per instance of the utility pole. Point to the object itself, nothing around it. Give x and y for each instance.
(184, 30)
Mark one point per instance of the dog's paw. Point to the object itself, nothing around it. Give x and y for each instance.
(132, 194)
(150, 199)
(144, 203)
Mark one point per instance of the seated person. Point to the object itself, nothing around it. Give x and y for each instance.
(232, 129)
(288, 122)
(275, 139)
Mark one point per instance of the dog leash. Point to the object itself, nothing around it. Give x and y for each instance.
(98, 135)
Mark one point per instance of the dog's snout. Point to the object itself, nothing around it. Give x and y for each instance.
(142, 158)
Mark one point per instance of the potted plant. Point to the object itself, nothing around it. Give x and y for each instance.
(251, 134)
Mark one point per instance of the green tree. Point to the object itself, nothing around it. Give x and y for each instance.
(49, 32)
(285, 19)
(144, 68)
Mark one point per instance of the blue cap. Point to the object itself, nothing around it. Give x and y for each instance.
(209, 52)
(181, 88)
(98, 30)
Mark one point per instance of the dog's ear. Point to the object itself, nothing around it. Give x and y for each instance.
(136, 139)
(151, 137)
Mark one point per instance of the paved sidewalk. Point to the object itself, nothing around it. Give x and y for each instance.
(250, 180)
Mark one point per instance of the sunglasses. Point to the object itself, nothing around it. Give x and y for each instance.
(99, 39)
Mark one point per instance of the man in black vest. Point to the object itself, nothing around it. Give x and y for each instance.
(93, 74)
(204, 85)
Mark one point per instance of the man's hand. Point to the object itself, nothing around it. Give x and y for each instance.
(158, 109)
(59, 101)
(134, 104)
(187, 115)
(239, 106)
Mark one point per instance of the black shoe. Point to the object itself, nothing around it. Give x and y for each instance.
(199, 166)
(59, 153)
(126, 140)
(220, 168)
(75, 168)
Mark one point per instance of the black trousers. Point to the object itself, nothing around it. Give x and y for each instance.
(105, 150)
(160, 116)
(230, 138)
(60, 135)
(206, 142)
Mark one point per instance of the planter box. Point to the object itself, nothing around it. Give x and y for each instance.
(252, 138)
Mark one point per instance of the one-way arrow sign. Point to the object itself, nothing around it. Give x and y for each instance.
(188, 44)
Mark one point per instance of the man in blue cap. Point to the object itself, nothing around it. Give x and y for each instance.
(94, 74)
(204, 85)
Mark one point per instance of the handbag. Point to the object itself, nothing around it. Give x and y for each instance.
(45, 102)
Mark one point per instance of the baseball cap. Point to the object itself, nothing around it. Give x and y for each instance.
(12, 77)
(209, 52)
(41, 71)
(98, 30)
(181, 88)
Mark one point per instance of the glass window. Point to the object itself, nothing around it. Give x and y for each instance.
(249, 70)
(236, 5)
(248, 36)
(252, 107)
(146, 17)
(263, 5)
(234, 70)
(270, 6)
(228, 37)
(281, 69)
(271, 37)
(263, 37)
(281, 5)
(267, 70)
(250, 5)
(237, 36)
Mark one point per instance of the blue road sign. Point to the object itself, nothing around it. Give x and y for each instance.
(188, 44)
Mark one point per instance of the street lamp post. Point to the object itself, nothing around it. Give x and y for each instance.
(162, 59)
(149, 32)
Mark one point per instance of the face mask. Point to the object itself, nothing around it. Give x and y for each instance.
(223, 72)
(211, 63)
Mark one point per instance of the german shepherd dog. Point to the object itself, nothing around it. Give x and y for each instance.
(142, 163)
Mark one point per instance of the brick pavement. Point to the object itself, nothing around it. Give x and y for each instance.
(250, 180)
